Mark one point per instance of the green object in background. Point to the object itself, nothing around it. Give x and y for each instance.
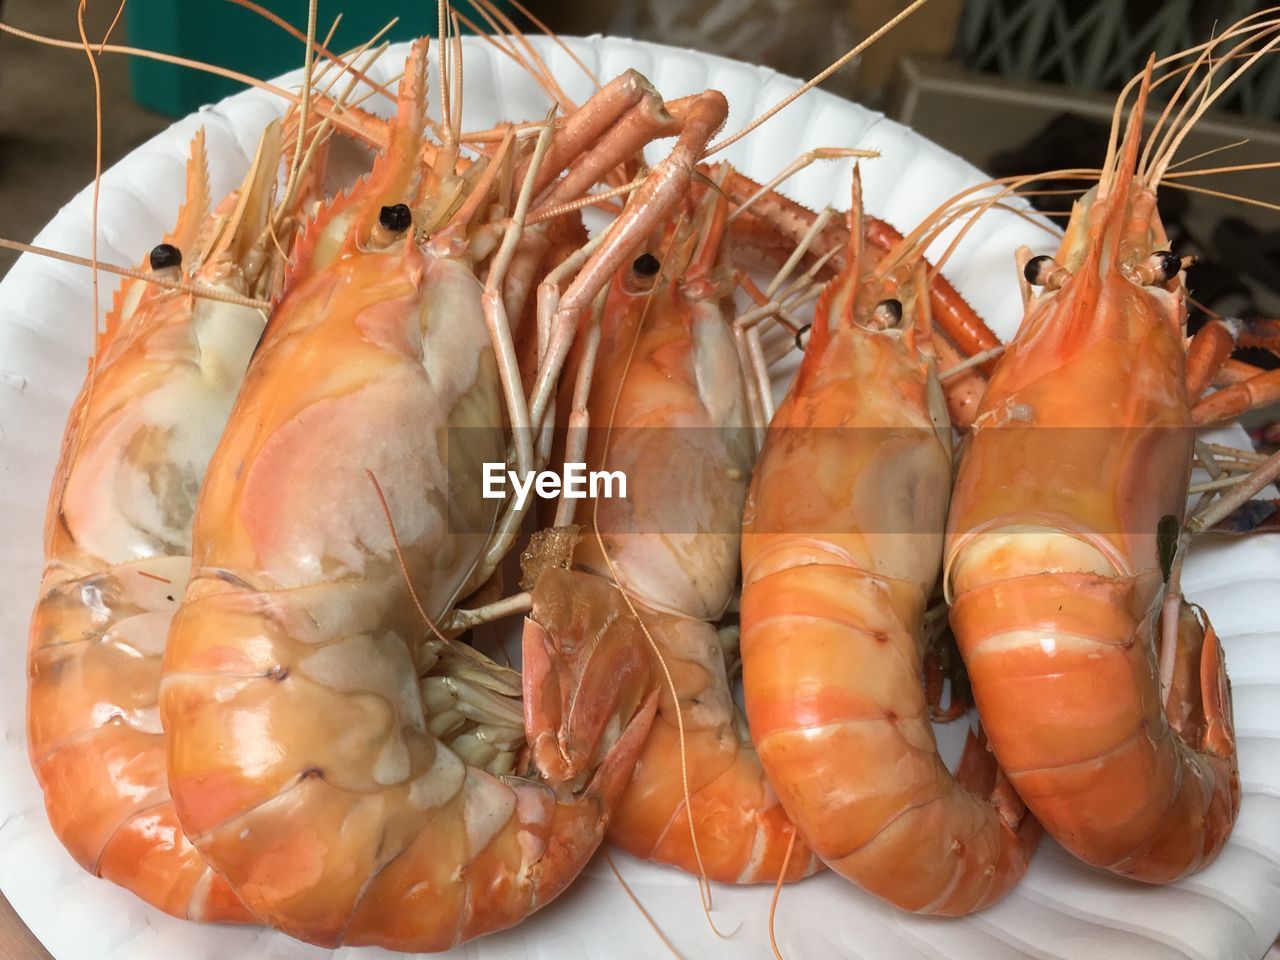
(222, 33)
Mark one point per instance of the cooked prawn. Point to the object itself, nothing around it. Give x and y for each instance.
(1104, 693)
(118, 542)
(841, 546)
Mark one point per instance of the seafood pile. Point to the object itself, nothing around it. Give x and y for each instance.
(259, 691)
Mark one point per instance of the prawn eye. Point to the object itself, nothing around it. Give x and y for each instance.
(888, 313)
(165, 255)
(1039, 269)
(396, 218)
(1164, 266)
(646, 265)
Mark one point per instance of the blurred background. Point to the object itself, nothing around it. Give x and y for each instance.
(1014, 86)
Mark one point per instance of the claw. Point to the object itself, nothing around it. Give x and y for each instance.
(585, 671)
(1230, 402)
(1219, 736)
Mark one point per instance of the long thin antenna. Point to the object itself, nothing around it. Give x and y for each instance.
(93, 219)
(641, 907)
(535, 66)
(308, 70)
(115, 22)
(196, 289)
(210, 68)
(777, 892)
(555, 38)
(322, 48)
(1174, 137)
(404, 566)
(97, 159)
(1222, 195)
(790, 98)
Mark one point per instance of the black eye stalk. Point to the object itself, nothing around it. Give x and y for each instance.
(1039, 269)
(396, 218)
(1157, 270)
(646, 266)
(165, 255)
(888, 313)
(1164, 266)
(1044, 271)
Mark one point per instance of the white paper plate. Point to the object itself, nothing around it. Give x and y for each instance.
(1061, 909)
